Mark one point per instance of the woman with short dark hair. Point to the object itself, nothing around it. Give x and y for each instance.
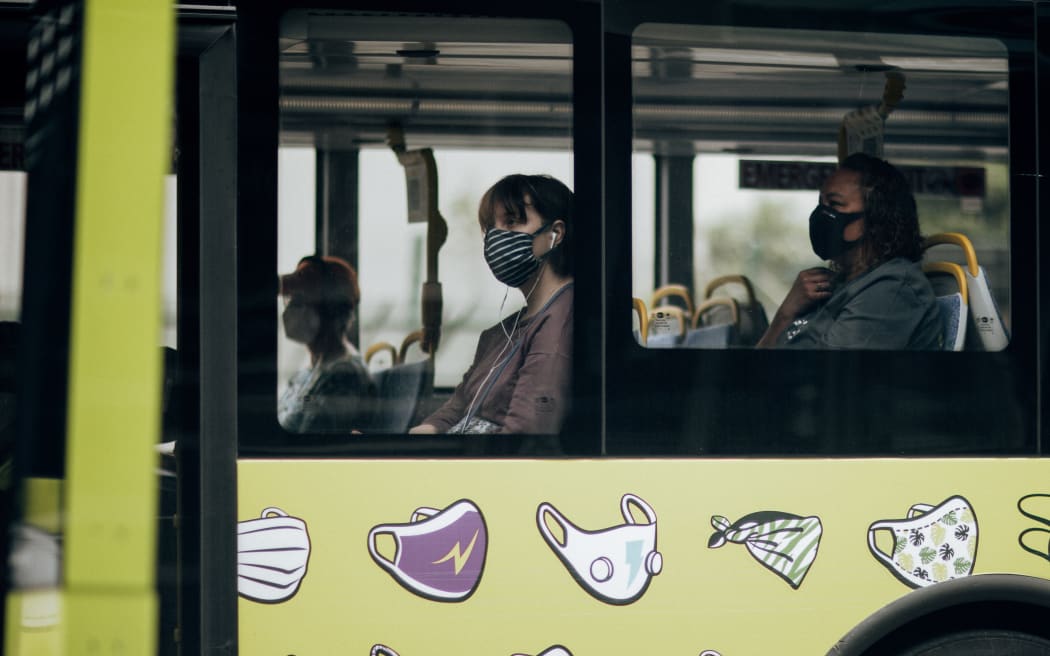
(873, 294)
(519, 381)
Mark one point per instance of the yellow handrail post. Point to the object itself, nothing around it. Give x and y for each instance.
(125, 119)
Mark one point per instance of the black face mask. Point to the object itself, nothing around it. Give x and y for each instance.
(825, 231)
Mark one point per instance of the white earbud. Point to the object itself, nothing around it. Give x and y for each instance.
(554, 237)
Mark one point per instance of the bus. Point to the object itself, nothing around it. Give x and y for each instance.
(702, 495)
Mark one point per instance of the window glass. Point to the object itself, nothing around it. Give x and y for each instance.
(736, 132)
(295, 226)
(170, 273)
(473, 299)
(12, 239)
(379, 114)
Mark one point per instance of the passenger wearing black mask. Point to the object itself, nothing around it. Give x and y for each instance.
(519, 380)
(873, 294)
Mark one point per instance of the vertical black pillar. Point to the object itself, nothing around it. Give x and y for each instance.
(187, 380)
(218, 350)
(337, 208)
(52, 130)
(1042, 237)
(674, 220)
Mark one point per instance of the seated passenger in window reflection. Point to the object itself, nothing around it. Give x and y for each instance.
(519, 381)
(335, 392)
(873, 294)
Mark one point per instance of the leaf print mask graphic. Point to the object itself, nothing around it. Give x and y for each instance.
(439, 554)
(783, 543)
(932, 544)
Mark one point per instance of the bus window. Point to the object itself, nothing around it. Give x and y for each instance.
(484, 98)
(12, 231)
(12, 238)
(737, 129)
(169, 296)
(295, 226)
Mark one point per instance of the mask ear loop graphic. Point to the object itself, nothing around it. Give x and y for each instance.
(419, 514)
(380, 559)
(1029, 515)
(873, 529)
(625, 508)
(919, 510)
(1045, 553)
(564, 524)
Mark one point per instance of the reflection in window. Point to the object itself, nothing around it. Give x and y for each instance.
(365, 102)
(737, 129)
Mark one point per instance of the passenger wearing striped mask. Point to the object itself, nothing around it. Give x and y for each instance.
(519, 381)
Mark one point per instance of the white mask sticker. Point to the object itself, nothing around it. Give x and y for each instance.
(615, 564)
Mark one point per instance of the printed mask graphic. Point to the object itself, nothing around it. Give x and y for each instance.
(553, 650)
(440, 555)
(783, 543)
(616, 564)
(272, 553)
(1042, 541)
(932, 544)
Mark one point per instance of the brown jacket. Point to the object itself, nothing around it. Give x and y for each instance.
(526, 383)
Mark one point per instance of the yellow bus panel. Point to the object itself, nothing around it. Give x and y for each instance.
(729, 557)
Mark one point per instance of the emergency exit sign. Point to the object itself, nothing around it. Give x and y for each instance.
(944, 181)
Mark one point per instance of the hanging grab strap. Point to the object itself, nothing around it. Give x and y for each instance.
(422, 180)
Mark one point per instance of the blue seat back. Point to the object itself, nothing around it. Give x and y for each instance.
(953, 321)
(718, 336)
(402, 392)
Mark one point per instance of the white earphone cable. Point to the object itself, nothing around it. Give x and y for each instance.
(510, 339)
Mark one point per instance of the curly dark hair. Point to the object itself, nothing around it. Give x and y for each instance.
(891, 220)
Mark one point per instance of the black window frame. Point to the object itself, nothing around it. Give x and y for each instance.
(258, 432)
(686, 402)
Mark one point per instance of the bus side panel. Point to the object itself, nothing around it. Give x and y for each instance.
(509, 557)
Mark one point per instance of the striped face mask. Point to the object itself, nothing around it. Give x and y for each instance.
(509, 255)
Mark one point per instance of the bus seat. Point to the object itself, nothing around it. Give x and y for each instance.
(381, 347)
(949, 283)
(403, 390)
(641, 333)
(716, 324)
(673, 291)
(415, 337)
(753, 321)
(986, 321)
(667, 327)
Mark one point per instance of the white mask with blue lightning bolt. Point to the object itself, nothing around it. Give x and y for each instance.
(615, 564)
